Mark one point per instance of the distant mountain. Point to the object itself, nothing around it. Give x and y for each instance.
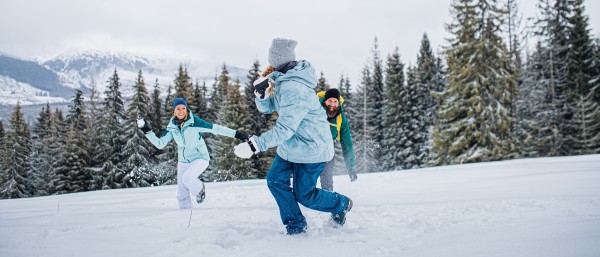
(55, 79)
(18, 77)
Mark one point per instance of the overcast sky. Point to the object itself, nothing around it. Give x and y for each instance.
(335, 35)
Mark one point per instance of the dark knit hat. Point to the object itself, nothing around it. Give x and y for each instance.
(334, 92)
(178, 101)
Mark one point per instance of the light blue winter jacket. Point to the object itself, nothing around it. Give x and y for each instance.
(301, 133)
(190, 144)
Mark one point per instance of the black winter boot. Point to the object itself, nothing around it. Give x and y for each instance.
(340, 218)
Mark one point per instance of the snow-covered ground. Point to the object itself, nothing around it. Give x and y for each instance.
(537, 207)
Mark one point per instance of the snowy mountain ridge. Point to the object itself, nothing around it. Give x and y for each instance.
(83, 69)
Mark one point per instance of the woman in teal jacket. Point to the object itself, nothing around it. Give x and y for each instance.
(186, 129)
(301, 135)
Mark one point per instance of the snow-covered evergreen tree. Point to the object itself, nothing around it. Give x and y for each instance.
(112, 135)
(74, 161)
(1, 147)
(94, 111)
(362, 134)
(214, 142)
(581, 69)
(322, 84)
(235, 115)
(56, 141)
(169, 153)
(200, 100)
(184, 87)
(594, 97)
(138, 149)
(545, 78)
(375, 101)
(258, 122)
(476, 105)
(154, 118)
(39, 161)
(428, 83)
(415, 109)
(16, 144)
(395, 138)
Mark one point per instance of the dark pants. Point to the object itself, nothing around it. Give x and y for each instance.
(303, 192)
(327, 175)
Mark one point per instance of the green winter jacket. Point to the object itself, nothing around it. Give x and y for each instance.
(190, 144)
(341, 131)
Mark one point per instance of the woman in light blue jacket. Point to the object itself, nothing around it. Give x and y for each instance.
(301, 134)
(186, 129)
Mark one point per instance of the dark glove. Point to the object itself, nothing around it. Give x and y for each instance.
(262, 86)
(241, 136)
(143, 125)
(352, 174)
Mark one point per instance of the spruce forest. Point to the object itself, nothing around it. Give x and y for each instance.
(497, 89)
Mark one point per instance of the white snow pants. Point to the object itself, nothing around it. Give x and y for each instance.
(188, 181)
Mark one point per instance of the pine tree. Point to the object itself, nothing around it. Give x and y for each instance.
(477, 102)
(594, 98)
(40, 161)
(213, 104)
(214, 143)
(346, 92)
(137, 150)
(322, 84)
(155, 111)
(14, 180)
(200, 100)
(73, 162)
(75, 159)
(93, 123)
(529, 103)
(1, 130)
(112, 135)
(258, 122)
(184, 87)
(362, 134)
(395, 140)
(428, 83)
(375, 100)
(419, 120)
(56, 141)
(169, 153)
(549, 74)
(580, 68)
(236, 116)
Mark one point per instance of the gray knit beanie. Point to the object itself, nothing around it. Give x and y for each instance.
(282, 51)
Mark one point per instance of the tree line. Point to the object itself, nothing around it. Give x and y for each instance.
(485, 96)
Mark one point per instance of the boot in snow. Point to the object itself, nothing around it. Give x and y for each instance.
(200, 197)
(340, 218)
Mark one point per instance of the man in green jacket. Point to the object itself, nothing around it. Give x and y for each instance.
(340, 131)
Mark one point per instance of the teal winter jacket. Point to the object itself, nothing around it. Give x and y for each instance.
(190, 144)
(301, 132)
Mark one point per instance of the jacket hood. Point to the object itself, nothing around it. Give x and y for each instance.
(302, 73)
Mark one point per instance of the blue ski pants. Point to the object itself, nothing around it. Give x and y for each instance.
(303, 191)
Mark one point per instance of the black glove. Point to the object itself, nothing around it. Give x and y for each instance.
(143, 125)
(241, 136)
(262, 86)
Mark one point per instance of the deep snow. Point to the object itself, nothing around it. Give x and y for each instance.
(533, 207)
